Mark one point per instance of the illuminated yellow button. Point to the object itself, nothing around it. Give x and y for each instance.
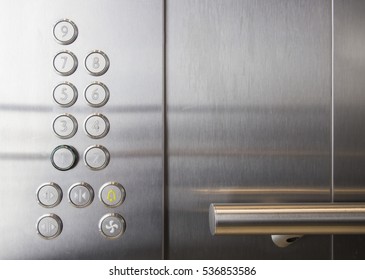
(112, 194)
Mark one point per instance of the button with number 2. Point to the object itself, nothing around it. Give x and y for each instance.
(97, 63)
(65, 32)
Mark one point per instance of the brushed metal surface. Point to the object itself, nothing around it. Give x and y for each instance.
(131, 34)
(248, 118)
(287, 219)
(349, 115)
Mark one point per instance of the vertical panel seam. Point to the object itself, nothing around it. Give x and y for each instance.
(165, 225)
(332, 116)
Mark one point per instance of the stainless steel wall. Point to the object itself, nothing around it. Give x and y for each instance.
(131, 34)
(349, 115)
(248, 118)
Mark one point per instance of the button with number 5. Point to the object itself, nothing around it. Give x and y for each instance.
(65, 31)
(97, 94)
(96, 63)
(65, 94)
(65, 63)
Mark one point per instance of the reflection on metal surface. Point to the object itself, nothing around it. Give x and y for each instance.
(284, 219)
(283, 241)
(248, 104)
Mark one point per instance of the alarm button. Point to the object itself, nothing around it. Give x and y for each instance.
(112, 194)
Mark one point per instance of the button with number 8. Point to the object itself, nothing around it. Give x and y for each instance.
(97, 94)
(97, 63)
(65, 32)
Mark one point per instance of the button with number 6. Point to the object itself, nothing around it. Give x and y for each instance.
(97, 63)
(97, 94)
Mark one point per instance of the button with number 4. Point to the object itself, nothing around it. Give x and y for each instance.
(96, 63)
(65, 31)
(65, 94)
(96, 126)
(97, 94)
(65, 63)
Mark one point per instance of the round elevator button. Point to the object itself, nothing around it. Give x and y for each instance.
(96, 157)
(64, 157)
(65, 126)
(97, 63)
(49, 226)
(112, 194)
(65, 31)
(97, 94)
(65, 94)
(81, 194)
(65, 63)
(112, 225)
(96, 126)
(49, 195)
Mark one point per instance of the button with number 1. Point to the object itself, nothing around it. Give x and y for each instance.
(65, 31)
(97, 63)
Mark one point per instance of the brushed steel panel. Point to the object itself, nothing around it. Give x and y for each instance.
(248, 118)
(131, 34)
(349, 115)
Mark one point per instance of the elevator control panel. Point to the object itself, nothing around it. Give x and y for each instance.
(82, 107)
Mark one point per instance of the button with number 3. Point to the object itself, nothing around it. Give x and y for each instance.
(65, 63)
(65, 94)
(97, 94)
(65, 126)
(65, 32)
(96, 63)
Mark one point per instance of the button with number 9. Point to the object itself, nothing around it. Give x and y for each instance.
(65, 32)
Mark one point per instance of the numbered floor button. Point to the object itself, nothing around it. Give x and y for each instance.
(112, 225)
(97, 94)
(80, 195)
(65, 126)
(65, 31)
(65, 63)
(64, 157)
(112, 194)
(49, 226)
(96, 126)
(96, 157)
(49, 195)
(65, 94)
(97, 63)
